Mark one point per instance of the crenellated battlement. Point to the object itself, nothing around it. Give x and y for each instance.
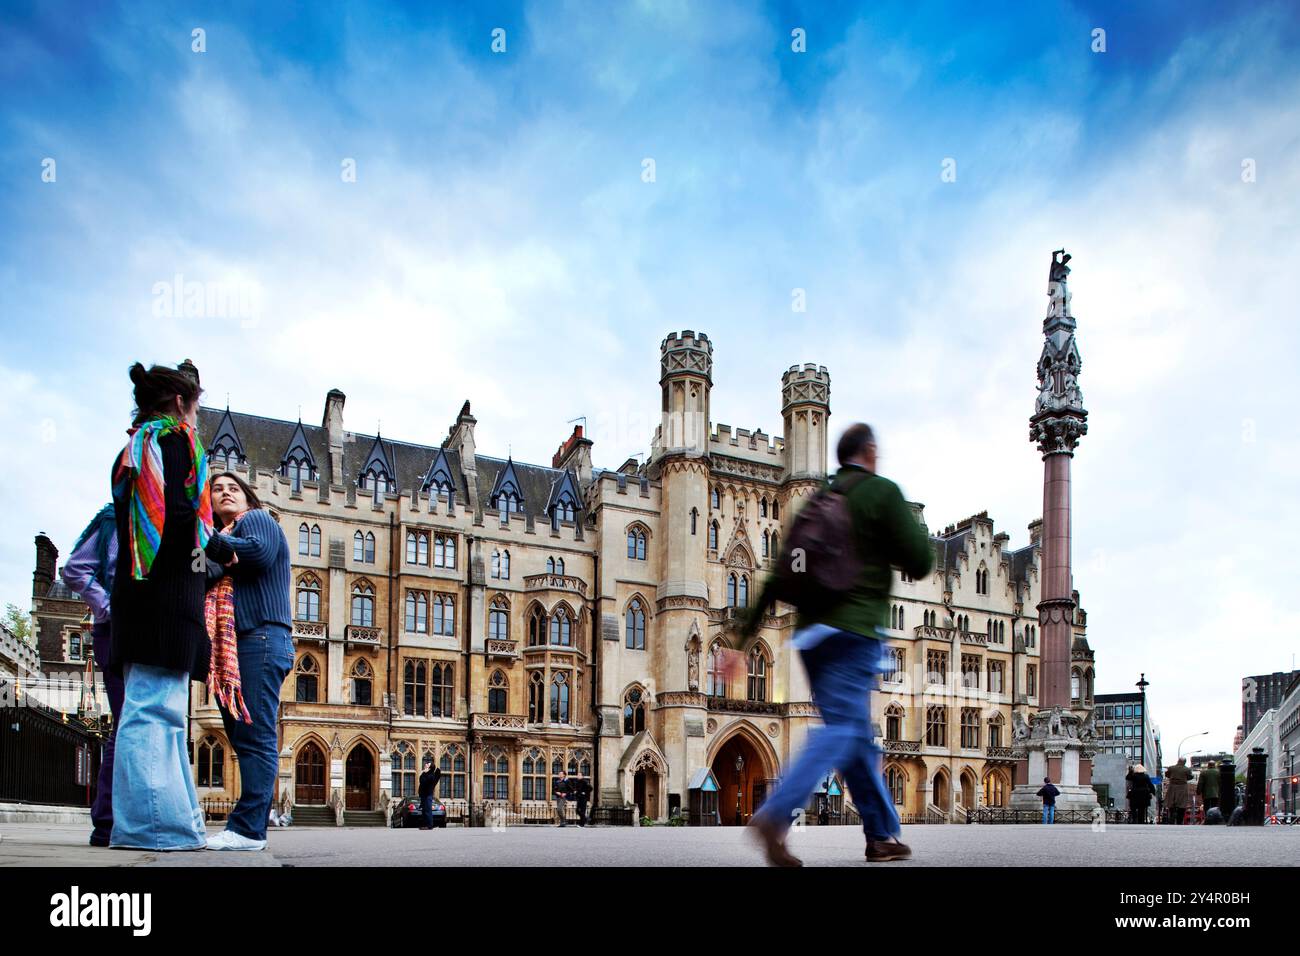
(686, 353)
(743, 439)
(806, 385)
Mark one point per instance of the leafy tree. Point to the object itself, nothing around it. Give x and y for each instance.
(19, 622)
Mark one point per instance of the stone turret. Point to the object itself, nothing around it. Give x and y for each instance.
(47, 560)
(806, 407)
(686, 377)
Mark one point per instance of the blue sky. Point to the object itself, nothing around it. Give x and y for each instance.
(500, 244)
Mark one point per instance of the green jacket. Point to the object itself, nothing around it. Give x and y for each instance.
(890, 536)
(1207, 783)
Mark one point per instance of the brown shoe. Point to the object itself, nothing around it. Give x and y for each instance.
(882, 851)
(773, 843)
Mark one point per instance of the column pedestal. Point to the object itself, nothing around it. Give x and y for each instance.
(1055, 749)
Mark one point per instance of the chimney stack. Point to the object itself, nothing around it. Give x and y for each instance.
(47, 562)
(575, 454)
(332, 422)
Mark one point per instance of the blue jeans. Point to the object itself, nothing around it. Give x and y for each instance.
(426, 808)
(155, 806)
(265, 659)
(1049, 813)
(101, 812)
(842, 670)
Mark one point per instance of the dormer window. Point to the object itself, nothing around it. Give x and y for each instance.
(375, 480)
(224, 458)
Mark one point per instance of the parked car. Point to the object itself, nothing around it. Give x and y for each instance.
(409, 815)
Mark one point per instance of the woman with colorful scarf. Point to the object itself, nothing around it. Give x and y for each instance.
(163, 513)
(252, 651)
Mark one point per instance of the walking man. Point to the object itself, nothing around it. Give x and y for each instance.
(1178, 777)
(560, 791)
(870, 530)
(428, 782)
(1207, 786)
(580, 789)
(1049, 793)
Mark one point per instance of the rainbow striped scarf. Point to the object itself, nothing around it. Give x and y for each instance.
(223, 665)
(138, 486)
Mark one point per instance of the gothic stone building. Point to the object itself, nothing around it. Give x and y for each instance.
(513, 619)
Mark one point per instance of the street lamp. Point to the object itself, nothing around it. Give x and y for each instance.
(1187, 738)
(1142, 727)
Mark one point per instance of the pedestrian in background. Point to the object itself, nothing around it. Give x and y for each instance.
(1178, 777)
(89, 573)
(1049, 793)
(1207, 786)
(1140, 792)
(580, 790)
(428, 781)
(560, 793)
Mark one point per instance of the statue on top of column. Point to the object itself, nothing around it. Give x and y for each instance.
(1057, 288)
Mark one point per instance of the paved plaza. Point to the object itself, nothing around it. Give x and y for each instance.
(26, 844)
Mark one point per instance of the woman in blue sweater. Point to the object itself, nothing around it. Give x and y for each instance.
(260, 574)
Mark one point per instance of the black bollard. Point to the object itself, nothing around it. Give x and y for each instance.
(1227, 788)
(1256, 772)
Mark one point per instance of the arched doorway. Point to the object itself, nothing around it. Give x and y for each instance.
(358, 779)
(742, 777)
(967, 792)
(995, 789)
(646, 786)
(941, 793)
(309, 775)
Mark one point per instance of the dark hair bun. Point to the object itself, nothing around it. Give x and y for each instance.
(139, 374)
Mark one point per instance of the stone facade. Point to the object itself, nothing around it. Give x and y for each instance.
(511, 619)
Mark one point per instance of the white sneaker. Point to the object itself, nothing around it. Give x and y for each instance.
(230, 840)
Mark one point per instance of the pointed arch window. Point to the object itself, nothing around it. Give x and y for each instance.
(308, 598)
(415, 676)
(297, 469)
(633, 712)
(561, 628)
(536, 627)
(309, 540)
(417, 612)
(762, 507)
(498, 692)
(363, 547)
(444, 551)
(894, 783)
(536, 698)
(936, 726)
(776, 510)
(306, 680)
(756, 684)
(894, 715)
(403, 762)
(496, 775)
(715, 679)
(499, 620)
(363, 605)
(995, 730)
(362, 683)
(441, 689)
(713, 536)
(695, 515)
(634, 625)
(501, 565)
(535, 783)
(417, 547)
(767, 542)
(444, 615)
(715, 500)
(559, 697)
(742, 596)
(452, 765)
(636, 544)
(211, 763)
